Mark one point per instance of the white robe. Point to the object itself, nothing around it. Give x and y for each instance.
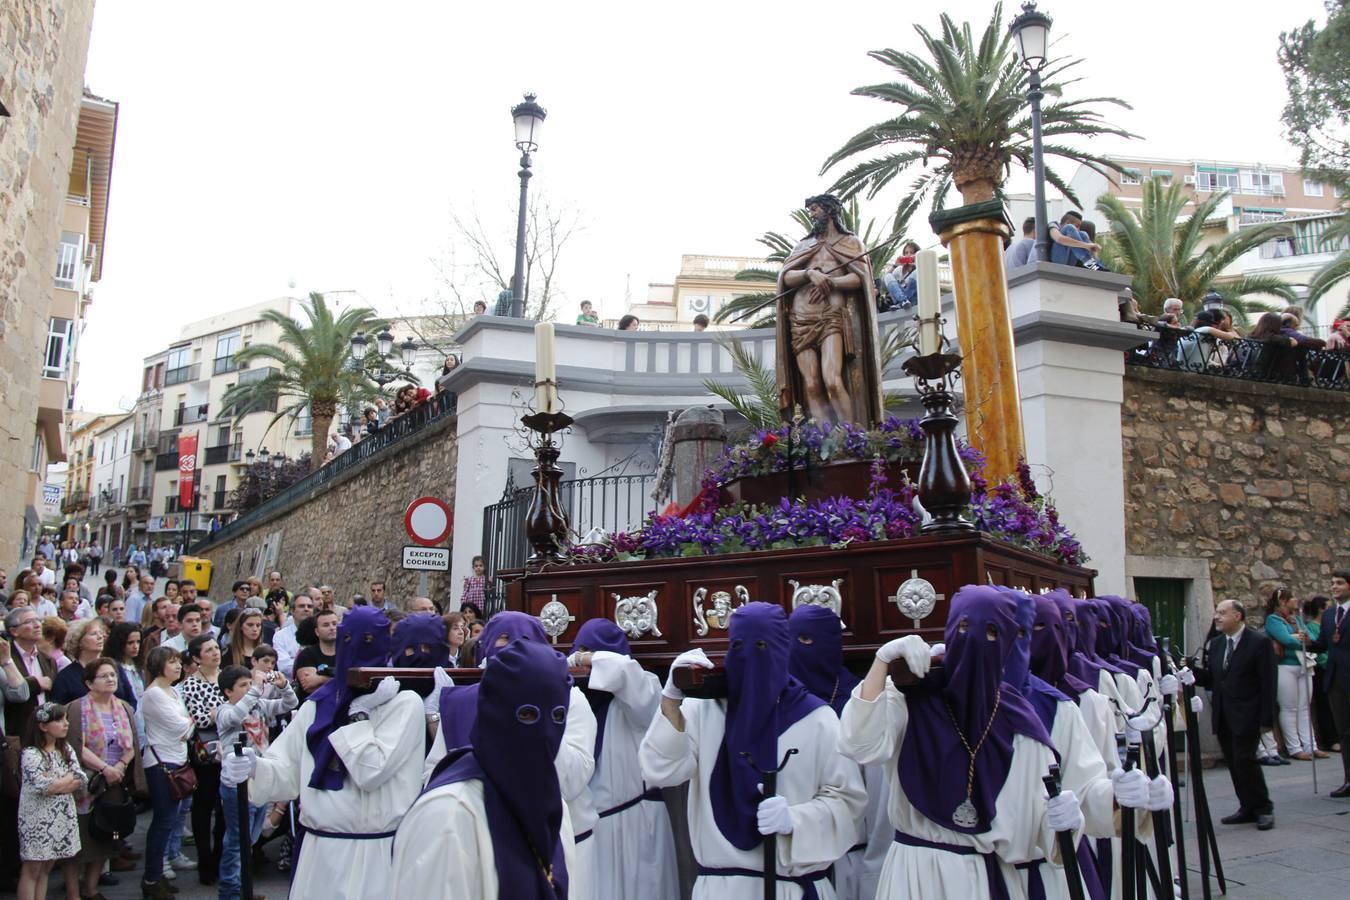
(383, 779)
(871, 731)
(824, 790)
(1082, 771)
(856, 873)
(575, 764)
(444, 847)
(633, 850)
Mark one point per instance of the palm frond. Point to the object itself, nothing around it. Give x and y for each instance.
(760, 406)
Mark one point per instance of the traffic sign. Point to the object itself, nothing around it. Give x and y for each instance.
(428, 521)
(426, 559)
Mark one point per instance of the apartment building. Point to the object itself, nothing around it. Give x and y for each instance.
(56, 153)
(109, 512)
(83, 428)
(181, 391)
(703, 286)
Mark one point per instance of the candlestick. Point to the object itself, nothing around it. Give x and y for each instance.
(930, 301)
(545, 369)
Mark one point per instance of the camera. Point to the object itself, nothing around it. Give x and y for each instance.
(905, 261)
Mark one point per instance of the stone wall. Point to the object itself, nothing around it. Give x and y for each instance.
(43, 47)
(350, 529)
(1249, 476)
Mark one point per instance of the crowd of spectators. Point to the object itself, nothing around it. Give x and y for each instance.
(107, 703)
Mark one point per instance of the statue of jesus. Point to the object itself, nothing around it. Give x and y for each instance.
(828, 353)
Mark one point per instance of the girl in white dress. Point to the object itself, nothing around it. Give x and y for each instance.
(48, 828)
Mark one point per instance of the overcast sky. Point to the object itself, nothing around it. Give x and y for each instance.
(328, 144)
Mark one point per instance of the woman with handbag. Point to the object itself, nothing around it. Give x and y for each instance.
(1284, 626)
(104, 738)
(167, 727)
(202, 696)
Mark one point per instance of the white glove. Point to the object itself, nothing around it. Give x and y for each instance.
(572, 659)
(1169, 686)
(1197, 705)
(235, 770)
(1062, 812)
(937, 651)
(385, 691)
(912, 648)
(1160, 794)
(440, 680)
(774, 816)
(1131, 788)
(1186, 676)
(689, 659)
(1141, 724)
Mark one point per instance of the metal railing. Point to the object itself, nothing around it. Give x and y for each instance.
(393, 432)
(223, 453)
(220, 499)
(1274, 360)
(182, 374)
(75, 500)
(144, 440)
(190, 415)
(139, 495)
(166, 462)
(611, 502)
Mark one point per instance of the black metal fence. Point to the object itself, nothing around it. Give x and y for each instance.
(393, 432)
(610, 502)
(1274, 360)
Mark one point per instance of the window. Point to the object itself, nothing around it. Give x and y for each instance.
(59, 335)
(1130, 176)
(179, 366)
(304, 423)
(1216, 180)
(1262, 182)
(227, 345)
(1336, 191)
(1248, 215)
(1162, 176)
(1312, 188)
(68, 260)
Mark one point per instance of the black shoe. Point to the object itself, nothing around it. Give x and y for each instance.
(1282, 761)
(1342, 791)
(1270, 761)
(106, 880)
(1241, 817)
(1265, 821)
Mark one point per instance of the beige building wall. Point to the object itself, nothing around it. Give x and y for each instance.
(46, 43)
(182, 389)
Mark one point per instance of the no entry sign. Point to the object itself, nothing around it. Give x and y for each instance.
(427, 521)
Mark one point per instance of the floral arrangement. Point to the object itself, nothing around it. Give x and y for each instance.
(896, 440)
(1012, 510)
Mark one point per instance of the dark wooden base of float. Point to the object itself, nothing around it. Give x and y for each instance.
(869, 575)
(851, 478)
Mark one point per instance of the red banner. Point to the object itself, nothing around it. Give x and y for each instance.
(187, 470)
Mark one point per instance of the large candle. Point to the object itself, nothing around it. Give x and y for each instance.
(545, 370)
(930, 302)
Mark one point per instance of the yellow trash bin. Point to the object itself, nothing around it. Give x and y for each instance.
(199, 571)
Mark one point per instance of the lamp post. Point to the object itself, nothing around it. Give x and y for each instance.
(384, 345)
(529, 120)
(1031, 30)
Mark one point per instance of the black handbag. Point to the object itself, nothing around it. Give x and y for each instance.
(113, 815)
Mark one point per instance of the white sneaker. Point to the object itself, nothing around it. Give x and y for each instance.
(181, 861)
(169, 873)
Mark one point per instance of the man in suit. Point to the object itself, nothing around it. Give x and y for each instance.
(1334, 622)
(1241, 679)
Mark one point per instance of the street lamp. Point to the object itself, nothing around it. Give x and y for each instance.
(529, 121)
(384, 345)
(1031, 30)
(278, 460)
(1212, 300)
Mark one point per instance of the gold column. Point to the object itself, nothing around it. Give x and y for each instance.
(974, 235)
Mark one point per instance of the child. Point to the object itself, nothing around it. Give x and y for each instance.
(475, 587)
(588, 315)
(251, 699)
(48, 829)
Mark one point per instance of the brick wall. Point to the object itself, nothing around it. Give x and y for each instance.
(351, 529)
(1251, 477)
(43, 47)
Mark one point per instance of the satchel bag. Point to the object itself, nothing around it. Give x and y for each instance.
(113, 814)
(182, 780)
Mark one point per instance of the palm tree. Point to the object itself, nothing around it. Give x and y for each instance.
(882, 247)
(312, 369)
(965, 119)
(1335, 271)
(1158, 245)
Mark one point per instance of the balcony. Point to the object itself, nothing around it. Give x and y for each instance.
(224, 453)
(144, 440)
(189, 415)
(220, 500)
(171, 505)
(182, 375)
(75, 501)
(106, 502)
(224, 364)
(139, 496)
(166, 462)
